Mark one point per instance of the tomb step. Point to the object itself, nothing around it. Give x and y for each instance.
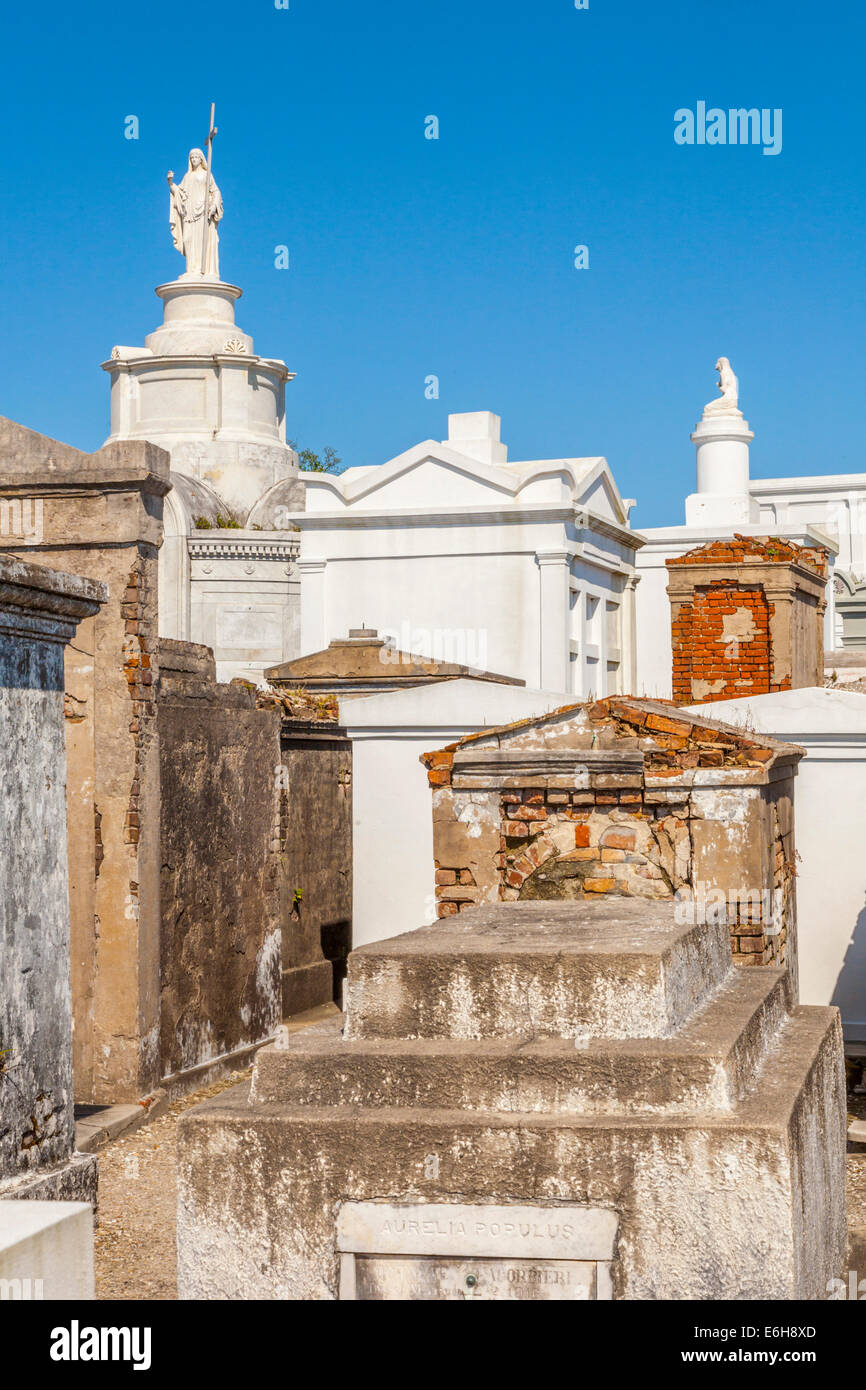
(705, 1066)
(615, 969)
(742, 1204)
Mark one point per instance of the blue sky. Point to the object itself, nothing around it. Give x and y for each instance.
(412, 257)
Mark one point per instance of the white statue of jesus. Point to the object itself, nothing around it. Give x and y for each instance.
(727, 402)
(194, 234)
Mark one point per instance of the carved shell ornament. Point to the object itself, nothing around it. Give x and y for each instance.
(236, 346)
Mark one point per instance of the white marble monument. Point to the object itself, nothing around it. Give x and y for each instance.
(199, 389)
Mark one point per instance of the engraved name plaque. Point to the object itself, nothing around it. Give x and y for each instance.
(435, 1251)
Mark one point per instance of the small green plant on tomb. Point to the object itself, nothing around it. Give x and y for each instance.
(223, 521)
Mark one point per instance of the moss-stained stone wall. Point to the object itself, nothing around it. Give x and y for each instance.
(219, 856)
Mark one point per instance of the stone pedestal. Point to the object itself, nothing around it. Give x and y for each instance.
(722, 497)
(228, 562)
(198, 314)
(570, 1101)
(198, 389)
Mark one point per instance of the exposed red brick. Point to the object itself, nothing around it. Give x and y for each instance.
(618, 839)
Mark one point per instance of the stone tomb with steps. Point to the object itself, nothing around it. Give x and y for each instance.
(533, 1101)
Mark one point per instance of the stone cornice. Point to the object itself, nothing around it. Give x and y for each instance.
(199, 359)
(38, 602)
(573, 767)
(222, 546)
(589, 520)
(775, 576)
(485, 768)
(513, 514)
(42, 482)
(360, 517)
(830, 482)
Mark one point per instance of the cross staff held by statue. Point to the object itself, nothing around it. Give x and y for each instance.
(212, 130)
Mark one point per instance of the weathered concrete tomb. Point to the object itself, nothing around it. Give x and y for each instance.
(623, 798)
(534, 1100)
(200, 899)
(40, 611)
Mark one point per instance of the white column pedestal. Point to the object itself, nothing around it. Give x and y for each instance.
(722, 497)
(554, 568)
(313, 637)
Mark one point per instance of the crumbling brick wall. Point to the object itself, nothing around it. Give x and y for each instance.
(746, 618)
(721, 644)
(100, 517)
(622, 798)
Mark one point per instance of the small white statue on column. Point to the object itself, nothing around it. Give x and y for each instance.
(727, 403)
(723, 497)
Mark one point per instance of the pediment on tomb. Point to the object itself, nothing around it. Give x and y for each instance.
(435, 475)
(429, 474)
(600, 494)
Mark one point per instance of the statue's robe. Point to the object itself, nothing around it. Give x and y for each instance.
(187, 221)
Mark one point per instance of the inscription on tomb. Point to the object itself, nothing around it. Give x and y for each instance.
(455, 1251)
(429, 1278)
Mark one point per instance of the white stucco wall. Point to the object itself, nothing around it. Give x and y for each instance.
(392, 801)
(835, 501)
(524, 569)
(829, 820)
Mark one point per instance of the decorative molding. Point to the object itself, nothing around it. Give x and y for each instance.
(512, 514)
(145, 360)
(219, 548)
(236, 346)
(561, 556)
(588, 520)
